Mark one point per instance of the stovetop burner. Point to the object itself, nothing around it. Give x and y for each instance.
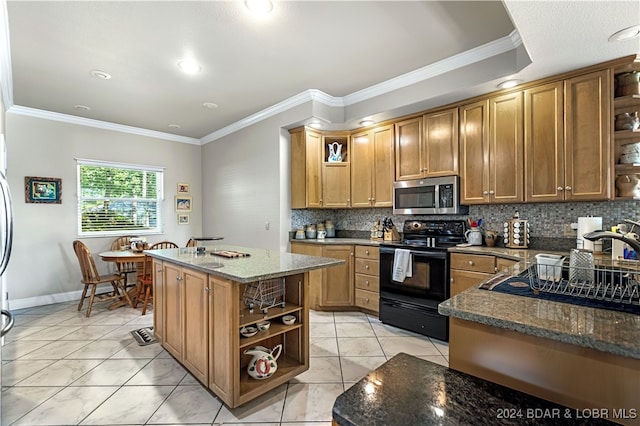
(436, 234)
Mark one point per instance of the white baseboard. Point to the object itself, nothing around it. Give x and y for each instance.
(48, 299)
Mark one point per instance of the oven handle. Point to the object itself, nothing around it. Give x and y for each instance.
(417, 253)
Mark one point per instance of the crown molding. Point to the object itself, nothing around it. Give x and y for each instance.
(6, 79)
(105, 125)
(477, 54)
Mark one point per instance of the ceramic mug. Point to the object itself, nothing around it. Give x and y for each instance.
(322, 234)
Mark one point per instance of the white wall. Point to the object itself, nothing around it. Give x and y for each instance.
(43, 267)
(246, 182)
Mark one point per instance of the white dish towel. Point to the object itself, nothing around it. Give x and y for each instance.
(402, 267)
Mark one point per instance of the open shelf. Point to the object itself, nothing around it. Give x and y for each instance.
(630, 101)
(250, 319)
(275, 330)
(626, 134)
(288, 368)
(627, 169)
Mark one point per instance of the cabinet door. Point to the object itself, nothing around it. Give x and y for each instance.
(315, 276)
(223, 362)
(382, 164)
(462, 280)
(172, 279)
(544, 143)
(362, 165)
(506, 149)
(158, 300)
(336, 185)
(441, 143)
(337, 282)
(314, 169)
(474, 153)
(409, 154)
(195, 323)
(587, 137)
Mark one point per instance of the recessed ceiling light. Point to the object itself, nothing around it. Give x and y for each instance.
(367, 122)
(316, 125)
(210, 105)
(189, 67)
(259, 7)
(626, 34)
(174, 126)
(507, 84)
(82, 107)
(101, 74)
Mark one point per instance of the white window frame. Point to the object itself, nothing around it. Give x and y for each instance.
(159, 229)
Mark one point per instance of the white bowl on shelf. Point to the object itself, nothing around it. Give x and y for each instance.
(263, 325)
(248, 331)
(630, 158)
(288, 319)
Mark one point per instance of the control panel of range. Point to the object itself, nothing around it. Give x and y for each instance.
(434, 227)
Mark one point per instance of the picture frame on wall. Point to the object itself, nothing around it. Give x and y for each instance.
(183, 219)
(42, 190)
(183, 203)
(183, 188)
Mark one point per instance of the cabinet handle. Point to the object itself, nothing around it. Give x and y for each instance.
(366, 282)
(159, 271)
(471, 262)
(178, 278)
(567, 188)
(366, 300)
(366, 252)
(492, 192)
(560, 188)
(366, 266)
(373, 199)
(485, 192)
(451, 279)
(369, 199)
(206, 289)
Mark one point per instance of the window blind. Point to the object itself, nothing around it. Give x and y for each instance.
(117, 199)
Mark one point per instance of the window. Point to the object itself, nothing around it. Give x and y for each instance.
(117, 199)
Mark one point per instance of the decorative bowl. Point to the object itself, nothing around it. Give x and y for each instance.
(288, 319)
(248, 331)
(630, 158)
(263, 325)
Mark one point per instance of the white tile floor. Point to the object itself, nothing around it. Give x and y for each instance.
(61, 368)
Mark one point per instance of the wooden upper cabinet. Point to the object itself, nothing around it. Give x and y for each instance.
(474, 153)
(408, 135)
(441, 143)
(587, 103)
(506, 149)
(336, 176)
(544, 143)
(372, 168)
(306, 168)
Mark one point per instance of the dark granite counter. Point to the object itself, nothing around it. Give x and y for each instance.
(410, 391)
(261, 264)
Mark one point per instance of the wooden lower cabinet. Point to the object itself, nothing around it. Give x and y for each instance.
(158, 300)
(468, 270)
(367, 278)
(202, 315)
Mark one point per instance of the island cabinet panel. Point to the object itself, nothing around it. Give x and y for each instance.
(222, 338)
(195, 291)
(158, 300)
(173, 309)
(316, 276)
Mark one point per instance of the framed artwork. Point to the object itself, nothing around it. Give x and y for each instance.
(183, 203)
(183, 188)
(42, 190)
(183, 219)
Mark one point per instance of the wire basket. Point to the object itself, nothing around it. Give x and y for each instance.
(264, 294)
(609, 280)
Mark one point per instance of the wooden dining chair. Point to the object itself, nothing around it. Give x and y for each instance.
(145, 284)
(124, 268)
(163, 245)
(91, 278)
(191, 243)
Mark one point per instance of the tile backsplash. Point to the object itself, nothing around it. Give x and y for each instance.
(546, 220)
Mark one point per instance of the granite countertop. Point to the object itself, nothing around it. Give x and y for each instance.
(338, 241)
(514, 254)
(260, 265)
(601, 329)
(410, 391)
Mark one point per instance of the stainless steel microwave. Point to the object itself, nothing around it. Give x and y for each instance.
(440, 195)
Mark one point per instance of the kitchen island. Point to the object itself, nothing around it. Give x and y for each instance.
(578, 356)
(201, 301)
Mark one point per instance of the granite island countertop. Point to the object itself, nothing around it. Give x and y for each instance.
(261, 264)
(410, 391)
(601, 329)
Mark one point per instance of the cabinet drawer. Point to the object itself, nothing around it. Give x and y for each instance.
(366, 252)
(368, 282)
(367, 299)
(473, 262)
(502, 263)
(462, 280)
(366, 266)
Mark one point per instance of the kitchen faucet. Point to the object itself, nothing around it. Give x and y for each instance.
(598, 235)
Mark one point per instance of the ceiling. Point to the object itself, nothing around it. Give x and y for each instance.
(368, 58)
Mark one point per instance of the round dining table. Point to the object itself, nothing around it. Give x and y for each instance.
(123, 256)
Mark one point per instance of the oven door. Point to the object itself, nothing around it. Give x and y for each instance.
(429, 279)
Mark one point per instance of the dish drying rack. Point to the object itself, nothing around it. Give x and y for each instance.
(609, 280)
(264, 294)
